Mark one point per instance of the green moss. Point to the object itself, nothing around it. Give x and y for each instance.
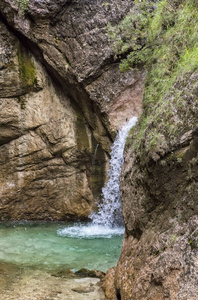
(21, 101)
(176, 156)
(179, 154)
(23, 4)
(26, 68)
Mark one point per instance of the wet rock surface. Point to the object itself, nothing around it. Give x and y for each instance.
(37, 284)
(90, 273)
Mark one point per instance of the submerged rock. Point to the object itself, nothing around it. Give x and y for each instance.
(64, 273)
(40, 285)
(90, 273)
(8, 273)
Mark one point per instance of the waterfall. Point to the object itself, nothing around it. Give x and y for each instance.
(107, 222)
(109, 211)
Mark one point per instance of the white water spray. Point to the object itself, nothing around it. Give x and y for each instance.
(109, 213)
(108, 220)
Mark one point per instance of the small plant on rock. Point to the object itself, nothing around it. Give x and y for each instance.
(23, 4)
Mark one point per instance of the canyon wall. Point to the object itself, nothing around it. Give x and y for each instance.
(159, 180)
(62, 100)
(159, 195)
(46, 146)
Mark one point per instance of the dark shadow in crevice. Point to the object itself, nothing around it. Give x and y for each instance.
(118, 295)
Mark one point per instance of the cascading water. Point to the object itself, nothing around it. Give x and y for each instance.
(108, 220)
(109, 213)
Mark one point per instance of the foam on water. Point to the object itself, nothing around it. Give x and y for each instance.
(91, 231)
(107, 222)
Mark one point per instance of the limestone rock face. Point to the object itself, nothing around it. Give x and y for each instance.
(62, 100)
(46, 147)
(70, 38)
(159, 194)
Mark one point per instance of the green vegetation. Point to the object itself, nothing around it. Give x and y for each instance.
(163, 38)
(26, 68)
(23, 4)
(21, 101)
(133, 34)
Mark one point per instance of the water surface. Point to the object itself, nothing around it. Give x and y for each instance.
(55, 245)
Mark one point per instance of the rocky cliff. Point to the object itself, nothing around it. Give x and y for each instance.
(62, 99)
(159, 186)
(159, 195)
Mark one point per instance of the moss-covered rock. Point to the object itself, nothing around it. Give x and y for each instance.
(159, 180)
(26, 67)
(159, 185)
